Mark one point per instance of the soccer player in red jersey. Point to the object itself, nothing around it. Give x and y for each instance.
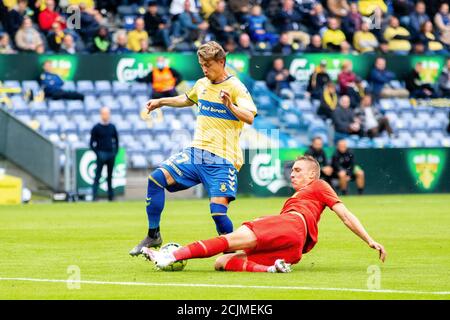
(273, 243)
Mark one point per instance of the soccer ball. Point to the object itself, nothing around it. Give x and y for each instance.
(178, 265)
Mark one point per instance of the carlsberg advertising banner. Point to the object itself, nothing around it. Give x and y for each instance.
(387, 171)
(85, 172)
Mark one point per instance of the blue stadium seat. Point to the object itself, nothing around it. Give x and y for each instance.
(102, 87)
(91, 105)
(156, 159)
(75, 107)
(31, 85)
(304, 105)
(49, 127)
(123, 127)
(138, 161)
(85, 87)
(119, 88)
(56, 107)
(68, 128)
(38, 108)
(139, 88)
(84, 128)
(69, 85)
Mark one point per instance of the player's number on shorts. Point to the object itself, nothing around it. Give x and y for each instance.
(181, 157)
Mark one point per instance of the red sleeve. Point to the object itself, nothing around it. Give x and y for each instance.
(326, 194)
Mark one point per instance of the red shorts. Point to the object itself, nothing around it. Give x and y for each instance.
(278, 237)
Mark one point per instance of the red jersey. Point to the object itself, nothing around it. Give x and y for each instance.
(310, 201)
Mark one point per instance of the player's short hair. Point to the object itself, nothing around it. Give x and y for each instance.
(315, 166)
(211, 51)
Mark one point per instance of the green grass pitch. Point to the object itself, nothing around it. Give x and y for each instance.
(42, 241)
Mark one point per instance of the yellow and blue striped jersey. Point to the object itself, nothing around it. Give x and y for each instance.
(218, 129)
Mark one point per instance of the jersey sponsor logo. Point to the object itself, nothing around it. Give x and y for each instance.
(215, 110)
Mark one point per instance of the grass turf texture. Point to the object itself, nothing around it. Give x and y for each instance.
(41, 241)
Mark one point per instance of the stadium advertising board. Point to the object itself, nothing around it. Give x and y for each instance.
(126, 67)
(387, 171)
(85, 173)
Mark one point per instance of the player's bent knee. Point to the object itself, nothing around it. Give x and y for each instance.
(169, 179)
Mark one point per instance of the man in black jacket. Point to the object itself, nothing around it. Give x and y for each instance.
(416, 87)
(105, 143)
(315, 150)
(278, 77)
(344, 168)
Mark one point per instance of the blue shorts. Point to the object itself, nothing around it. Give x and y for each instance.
(193, 166)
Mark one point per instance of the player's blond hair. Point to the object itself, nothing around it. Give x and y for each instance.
(314, 164)
(211, 51)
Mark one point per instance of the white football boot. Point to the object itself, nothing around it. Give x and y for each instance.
(161, 259)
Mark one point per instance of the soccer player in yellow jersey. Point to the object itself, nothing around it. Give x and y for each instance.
(223, 107)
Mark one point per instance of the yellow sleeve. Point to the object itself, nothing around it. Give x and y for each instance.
(242, 98)
(192, 94)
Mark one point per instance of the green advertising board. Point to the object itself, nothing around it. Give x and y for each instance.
(387, 171)
(121, 67)
(85, 173)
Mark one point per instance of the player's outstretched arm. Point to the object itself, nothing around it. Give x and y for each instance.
(178, 101)
(353, 223)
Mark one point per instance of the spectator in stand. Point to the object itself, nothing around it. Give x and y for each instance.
(344, 168)
(284, 47)
(444, 81)
(318, 19)
(333, 36)
(379, 78)
(378, 22)
(430, 40)
(207, 7)
(221, 24)
(352, 22)
(178, 6)
(316, 151)
(372, 120)
(156, 25)
(350, 84)
(417, 88)
(316, 44)
(278, 78)
(49, 16)
(290, 20)
(90, 20)
(192, 28)
(397, 37)
(102, 41)
(28, 39)
(230, 46)
(305, 6)
(418, 47)
(245, 45)
(121, 42)
(317, 80)
(240, 9)
(13, 18)
(163, 79)
(442, 23)
(5, 44)
(344, 120)
(418, 18)
(346, 48)
(402, 10)
(137, 36)
(368, 7)
(257, 25)
(52, 85)
(145, 46)
(338, 8)
(328, 101)
(365, 41)
(55, 37)
(68, 45)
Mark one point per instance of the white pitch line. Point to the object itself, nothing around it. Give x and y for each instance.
(227, 286)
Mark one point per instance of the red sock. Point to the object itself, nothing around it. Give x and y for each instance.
(202, 249)
(239, 264)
